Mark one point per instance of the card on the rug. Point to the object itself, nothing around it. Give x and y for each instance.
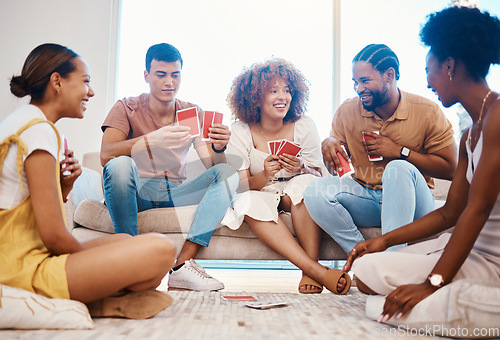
(289, 148)
(238, 298)
(189, 118)
(265, 305)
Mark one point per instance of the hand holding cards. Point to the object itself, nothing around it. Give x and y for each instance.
(279, 147)
(210, 118)
(345, 168)
(373, 158)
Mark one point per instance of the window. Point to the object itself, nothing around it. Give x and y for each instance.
(397, 24)
(217, 38)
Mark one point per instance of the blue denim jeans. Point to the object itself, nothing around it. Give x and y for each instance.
(339, 206)
(127, 194)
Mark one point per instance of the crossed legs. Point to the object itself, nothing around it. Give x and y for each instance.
(111, 264)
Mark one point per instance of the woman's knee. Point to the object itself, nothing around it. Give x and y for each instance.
(363, 288)
(159, 249)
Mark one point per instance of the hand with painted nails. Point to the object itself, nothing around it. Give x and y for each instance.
(404, 298)
(373, 245)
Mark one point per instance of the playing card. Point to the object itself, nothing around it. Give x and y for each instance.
(289, 148)
(210, 118)
(265, 305)
(207, 123)
(64, 165)
(373, 158)
(189, 117)
(218, 118)
(346, 166)
(271, 145)
(238, 298)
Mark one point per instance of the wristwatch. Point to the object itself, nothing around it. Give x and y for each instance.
(404, 153)
(436, 280)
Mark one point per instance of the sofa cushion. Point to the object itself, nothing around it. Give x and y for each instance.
(94, 215)
(21, 309)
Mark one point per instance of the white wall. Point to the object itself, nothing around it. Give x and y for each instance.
(86, 26)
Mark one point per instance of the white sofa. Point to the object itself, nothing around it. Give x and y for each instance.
(92, 220)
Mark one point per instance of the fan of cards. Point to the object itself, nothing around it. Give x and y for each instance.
(279, 147)
(189, 117)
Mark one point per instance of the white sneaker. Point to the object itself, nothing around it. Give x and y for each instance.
(192, 276)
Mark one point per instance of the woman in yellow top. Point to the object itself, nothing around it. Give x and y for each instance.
(37, 253)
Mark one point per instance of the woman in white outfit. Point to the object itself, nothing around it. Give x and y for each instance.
(463, 43)
(269, 101)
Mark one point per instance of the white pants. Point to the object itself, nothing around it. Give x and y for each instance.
(384, 272)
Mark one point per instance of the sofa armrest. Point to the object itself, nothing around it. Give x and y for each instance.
(88, 185)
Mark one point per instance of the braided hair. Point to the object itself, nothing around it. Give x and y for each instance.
(380, 57)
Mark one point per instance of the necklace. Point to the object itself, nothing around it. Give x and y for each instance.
(262, 133)
(479, 122)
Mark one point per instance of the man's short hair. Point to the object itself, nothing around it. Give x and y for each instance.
(162, 52)
(380, 57)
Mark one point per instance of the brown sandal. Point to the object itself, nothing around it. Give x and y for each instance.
(306, 280)
(133, 305)
(332, 278)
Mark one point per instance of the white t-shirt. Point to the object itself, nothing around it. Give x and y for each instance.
(40, 136)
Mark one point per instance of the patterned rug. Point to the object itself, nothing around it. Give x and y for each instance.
(204, 315)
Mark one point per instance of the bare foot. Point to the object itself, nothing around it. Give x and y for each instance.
(309, 286)
(341, 284)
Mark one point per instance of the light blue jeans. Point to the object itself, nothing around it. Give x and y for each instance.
(339, 206)
(127, 194)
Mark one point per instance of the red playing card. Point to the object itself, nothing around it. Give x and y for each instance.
(189, 117)
(289, 148)
(210, 118)
(271, 145)
(207, 123)
(373, 158)
(218, 118)
(346, 165)
(238, 298)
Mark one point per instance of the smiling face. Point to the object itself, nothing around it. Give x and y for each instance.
(76, 90)
(276, 101)
(438, 79)
(164, 79)
(370, 85)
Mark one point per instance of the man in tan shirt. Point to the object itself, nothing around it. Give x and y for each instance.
(144, 152)
(396, 141)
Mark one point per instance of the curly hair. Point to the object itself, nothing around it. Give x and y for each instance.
(465, 34)
(249, 88)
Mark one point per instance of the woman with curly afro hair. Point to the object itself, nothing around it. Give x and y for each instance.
(269, 102)
(463, 43)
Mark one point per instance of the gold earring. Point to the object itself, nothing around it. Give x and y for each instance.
(450, 75)
(58, 91)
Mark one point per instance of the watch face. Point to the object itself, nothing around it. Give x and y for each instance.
(436, 280)
(405, 152)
